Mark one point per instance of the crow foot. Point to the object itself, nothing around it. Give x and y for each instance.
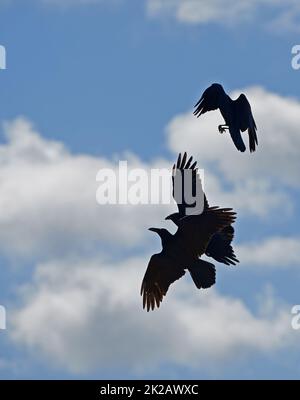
(222, 128)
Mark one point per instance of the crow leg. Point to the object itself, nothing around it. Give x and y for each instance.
(222, 128)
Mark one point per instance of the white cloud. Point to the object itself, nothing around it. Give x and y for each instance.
(47, 194)
(256, 197)
(274, 252)
(84, 311)
(48, 200)
(259, 180)
(228, 12)
(199, 11)
(87, 314)
(272, 14)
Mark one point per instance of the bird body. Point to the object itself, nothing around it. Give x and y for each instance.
(182, 251)
(237, 114)
(219, 246)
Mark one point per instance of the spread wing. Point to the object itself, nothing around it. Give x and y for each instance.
(246, 120)
(187, 186)
(211, 99)
(195, 232)
(220, 247)
(160, 273)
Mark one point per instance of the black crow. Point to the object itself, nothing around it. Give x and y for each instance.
(219, 246)
(236, 113)
(182, 251)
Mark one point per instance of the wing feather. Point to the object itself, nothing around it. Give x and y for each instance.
(161, 272)
(211, 99)
(220, 247)
(195, 232)
(187, 183)
(246, 120)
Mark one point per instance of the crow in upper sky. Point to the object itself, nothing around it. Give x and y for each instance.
(236, 113)
(182, 250)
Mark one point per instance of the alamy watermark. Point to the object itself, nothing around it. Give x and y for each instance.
(2, 317)
(2, 57)
(296, 318)
(296, 57)
(134, 186)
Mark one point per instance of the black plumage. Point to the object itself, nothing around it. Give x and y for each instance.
(182, 251)
(236, 113)
(219, 246)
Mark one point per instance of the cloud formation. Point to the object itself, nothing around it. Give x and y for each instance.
(48, 199)
(228, 12)
(258, 181)
(274, 252)
(84, 315)
(50, 192)
(48, 195)
(82, 309)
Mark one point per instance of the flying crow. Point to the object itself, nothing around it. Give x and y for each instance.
(182, 251)
(236, 113)
(219, 246)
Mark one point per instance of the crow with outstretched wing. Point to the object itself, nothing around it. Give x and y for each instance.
(236, 113)
(183, 250)
(219, 246)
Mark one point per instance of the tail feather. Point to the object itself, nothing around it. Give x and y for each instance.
(252, 139)
(203, 274)
(237, 139)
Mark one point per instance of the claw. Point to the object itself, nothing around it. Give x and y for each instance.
(222, 128)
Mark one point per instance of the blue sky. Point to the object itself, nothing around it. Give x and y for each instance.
(119, 62)
(87, 82)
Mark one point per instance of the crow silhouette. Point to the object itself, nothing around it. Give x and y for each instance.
(236, 113)
(219, 246)
(182, 250)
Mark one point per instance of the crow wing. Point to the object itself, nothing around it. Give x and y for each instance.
(220, 247)
(246, 120)
(195, 231)
(160, 273)
(211, 99)
(187, 186)
(236, 137)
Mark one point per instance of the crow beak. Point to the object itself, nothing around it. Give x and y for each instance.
(152, 229)
(168, 217)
